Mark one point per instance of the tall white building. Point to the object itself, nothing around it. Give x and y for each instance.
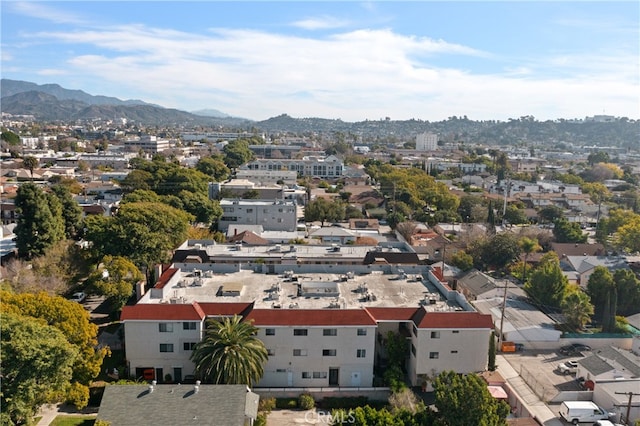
(426, 142)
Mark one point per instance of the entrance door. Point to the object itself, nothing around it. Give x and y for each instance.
(159, 375)
(289, 378)
(177, 374)
(355, 379)
(334, 376)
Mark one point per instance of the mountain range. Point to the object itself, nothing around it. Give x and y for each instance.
(51, 102)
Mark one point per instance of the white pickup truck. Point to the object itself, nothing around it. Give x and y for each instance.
(568, 367)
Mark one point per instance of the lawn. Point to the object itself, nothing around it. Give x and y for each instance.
(73, 421)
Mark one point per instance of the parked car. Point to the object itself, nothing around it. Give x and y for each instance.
(574, 349)
(78, 297)
(583, 411)
(568, 367)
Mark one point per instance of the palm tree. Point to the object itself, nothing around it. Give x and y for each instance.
(30, 163)
(230, 353)
(528, 246)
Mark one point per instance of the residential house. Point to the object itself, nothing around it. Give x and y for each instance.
(584, 266)
(278, 215)
(175, 404)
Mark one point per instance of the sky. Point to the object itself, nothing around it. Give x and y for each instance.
(346, 60)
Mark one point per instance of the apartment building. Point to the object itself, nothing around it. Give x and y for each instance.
(272, 215)
(426, 142)
(330, 167)
(147, 143)
(320, 329)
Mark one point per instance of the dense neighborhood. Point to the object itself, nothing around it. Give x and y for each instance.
(192, 274)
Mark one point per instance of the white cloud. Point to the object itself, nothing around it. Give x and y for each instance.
(42, 11)
(351, 75)
(320, 23)
(52, 71)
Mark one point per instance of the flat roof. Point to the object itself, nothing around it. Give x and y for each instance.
(285, 291)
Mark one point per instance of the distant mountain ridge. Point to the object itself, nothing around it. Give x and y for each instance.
(11, 87)
(524, 131)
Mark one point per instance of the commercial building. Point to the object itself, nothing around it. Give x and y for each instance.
(272, 215)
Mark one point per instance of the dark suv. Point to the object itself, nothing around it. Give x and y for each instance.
(574, 349)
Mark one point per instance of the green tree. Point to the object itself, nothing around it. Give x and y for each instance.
(550, 214)
(491, 366)
(213, 167)
(115, 278)
(577, 309)
(142, 232)
(30, 163)
(515, 216)
(528, 246)
(568, 232)
(230, 353)
(200, 206)
(141, 196)
(547, 284)
(462, 260)
(628, 292)
(495, 252)
(71, 210)
(465, 400)
(628, 236)
(36, 366)
(10, 137)
(598, 157)
(68, 317)
(237, 153)
(137, 180)
(491, 219)
(602, 289)
(324, 210)
(39, 225)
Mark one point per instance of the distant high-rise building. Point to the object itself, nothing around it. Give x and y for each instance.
(426, 142)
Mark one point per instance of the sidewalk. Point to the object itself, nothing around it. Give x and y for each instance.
(528, 398)
(49, 412)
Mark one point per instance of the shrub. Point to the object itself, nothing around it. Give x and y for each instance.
(261, 420)
(286, 403)
(306, 401)
(331, 402)
(266, 405)
(78, 395)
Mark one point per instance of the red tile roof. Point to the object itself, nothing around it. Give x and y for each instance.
(424, 319)
(165, 277)
(392, 314)
(162, 312)
(225, 309)
(310, 317)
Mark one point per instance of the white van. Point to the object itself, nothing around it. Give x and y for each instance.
(583, 411)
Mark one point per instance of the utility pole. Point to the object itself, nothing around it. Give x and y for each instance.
(631, 395)
(502, 309)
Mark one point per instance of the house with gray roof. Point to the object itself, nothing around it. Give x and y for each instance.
(585, 265)
(176, 404)
(609, 363)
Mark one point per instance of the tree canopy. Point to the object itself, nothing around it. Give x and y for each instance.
(547, 284)
(39, 224)
(568, 232)
(115, 278)
(142, 232)
(465, 400)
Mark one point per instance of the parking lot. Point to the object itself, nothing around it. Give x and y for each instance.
(540, 372)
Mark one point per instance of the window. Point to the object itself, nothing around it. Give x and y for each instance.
(166, 347)
(188, 325)
(362, 332)
(434, 355)
(435, 334)
(299, 352)
(456, 331)
(413, 350)
(165, 327)
(271, 352)
(328, 352)
(306, 375)
(270, 331)
(249, 210)
(188, 346)
(319, 374)
(454, 352)
(300, 331)
(330, 332)
(414, 329)
(361, 353)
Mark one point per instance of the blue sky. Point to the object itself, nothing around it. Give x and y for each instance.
(349, 60)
